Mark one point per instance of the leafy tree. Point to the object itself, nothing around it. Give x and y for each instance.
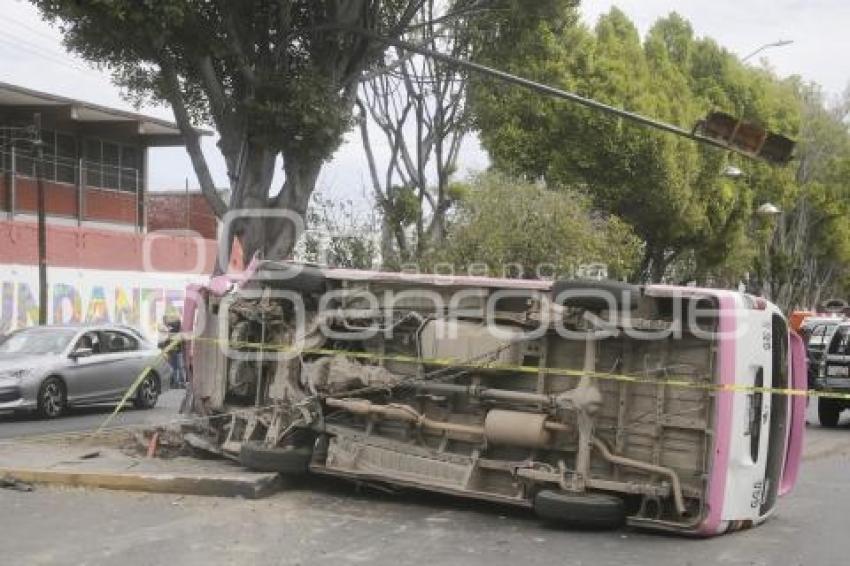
(518, 229)
(276, 78)
(810, 249)
(670, 190)
(340, 235)
(419, 107)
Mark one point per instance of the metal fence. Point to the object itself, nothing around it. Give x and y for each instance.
(80, 172)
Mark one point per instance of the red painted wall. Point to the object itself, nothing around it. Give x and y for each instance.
(165, 211)
(90, 248)
(110, 206)
(169, 211)
(61, 199)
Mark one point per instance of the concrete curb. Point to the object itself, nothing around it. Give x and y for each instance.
(248, 486)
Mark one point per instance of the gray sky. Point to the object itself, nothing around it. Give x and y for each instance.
(31, 56)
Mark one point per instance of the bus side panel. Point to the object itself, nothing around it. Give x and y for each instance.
(727, 356)
(749, 427)
(798, 416)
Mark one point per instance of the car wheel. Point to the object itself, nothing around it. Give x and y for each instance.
(828, 412)
(51, 398)
(287, 460)
(580, 510)
(148, 392)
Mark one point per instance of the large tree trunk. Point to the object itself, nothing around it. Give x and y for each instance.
(251, 177)
(653, 265)
(275, 236)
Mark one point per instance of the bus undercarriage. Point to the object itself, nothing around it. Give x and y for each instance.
(592, 408)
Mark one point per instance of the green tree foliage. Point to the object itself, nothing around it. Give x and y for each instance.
(340, 235)
(810, 250)
(673, 192)
(276, 78)
(520, 229)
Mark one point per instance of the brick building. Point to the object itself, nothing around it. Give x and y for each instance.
(103, 224)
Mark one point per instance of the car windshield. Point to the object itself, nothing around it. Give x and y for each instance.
(37, 341)
(840, 343)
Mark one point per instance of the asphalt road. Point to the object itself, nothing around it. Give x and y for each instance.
(324, 522)
(327, 522)
(89, 418)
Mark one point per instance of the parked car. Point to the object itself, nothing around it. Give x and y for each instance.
(834, 376)
(49, 368)
(594, 403)
(817, 332)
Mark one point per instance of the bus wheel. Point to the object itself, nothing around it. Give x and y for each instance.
(828, 412)
(580, 510)
(287, 460)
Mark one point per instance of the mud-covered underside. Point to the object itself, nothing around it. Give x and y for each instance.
(468, 390)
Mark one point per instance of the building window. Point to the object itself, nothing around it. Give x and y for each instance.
(111, 165)
(129, 168)
(66, 158)
(24, 162)
(105, 164)
(94, 175)
(48, 155)
(5, 150)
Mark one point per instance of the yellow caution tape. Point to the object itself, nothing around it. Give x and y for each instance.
(565, 372)
(173, 343)
(446, 362)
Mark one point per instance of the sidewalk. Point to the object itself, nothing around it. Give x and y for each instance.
(101, 462)
(106, 462)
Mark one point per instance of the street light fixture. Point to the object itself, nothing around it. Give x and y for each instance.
(768, 210)
(733, 172)
(780, 43)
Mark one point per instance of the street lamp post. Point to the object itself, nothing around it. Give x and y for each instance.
(769, 212)
(780, 43)
(38, 148)
(32, 135)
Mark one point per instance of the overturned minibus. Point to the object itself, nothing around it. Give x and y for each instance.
(594, 403)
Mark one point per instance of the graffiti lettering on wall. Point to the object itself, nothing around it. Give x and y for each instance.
(78, 296)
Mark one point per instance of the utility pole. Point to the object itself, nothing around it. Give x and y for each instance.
(42, 222)
(188, 216)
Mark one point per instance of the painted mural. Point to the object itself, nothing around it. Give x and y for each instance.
(77, 296)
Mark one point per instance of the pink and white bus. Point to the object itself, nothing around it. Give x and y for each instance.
(593, 403)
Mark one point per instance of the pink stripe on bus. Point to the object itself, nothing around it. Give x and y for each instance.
(723, 415)
(794, 451)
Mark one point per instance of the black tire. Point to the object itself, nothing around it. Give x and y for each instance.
(828, 412)
(147, 393)
(287, 460)
(52, 398)
(593, 295)
(580, 510)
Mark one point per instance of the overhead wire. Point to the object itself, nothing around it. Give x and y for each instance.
(26, 46)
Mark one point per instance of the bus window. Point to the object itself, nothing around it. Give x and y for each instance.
(754, 428)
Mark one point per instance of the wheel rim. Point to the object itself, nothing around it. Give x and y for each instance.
(147, 392)
(52, 399)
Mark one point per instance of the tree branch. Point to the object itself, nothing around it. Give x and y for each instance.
(171, 84)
